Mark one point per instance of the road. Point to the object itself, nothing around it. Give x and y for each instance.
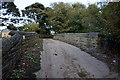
(62, 60)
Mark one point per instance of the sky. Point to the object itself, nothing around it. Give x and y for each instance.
(21, 4)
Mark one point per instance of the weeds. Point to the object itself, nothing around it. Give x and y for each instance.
(36, 60)
(82, 74)
(29, 63)
(29, 54)
(39, 43)
(18, 73)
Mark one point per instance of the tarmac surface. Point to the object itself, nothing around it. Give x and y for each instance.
(62, 60)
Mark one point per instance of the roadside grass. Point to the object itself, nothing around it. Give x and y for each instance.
(29, 54)
(17, 73)
(82, 74)
(36, 60)
(39, 44)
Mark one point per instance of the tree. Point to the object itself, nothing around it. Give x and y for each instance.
(11, 27)
(111, 16)
(65, 17)
(36, 11)
(91, 19)
(32, 27)
(75, 17)
(78, 5)
(9, 9)
(58, 17)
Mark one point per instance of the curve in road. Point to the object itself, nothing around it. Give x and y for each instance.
(62, 60)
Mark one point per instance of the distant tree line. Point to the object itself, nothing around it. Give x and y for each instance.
(72, 18)
(77, 18)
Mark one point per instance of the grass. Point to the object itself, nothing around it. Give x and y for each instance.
(19, 70)
(29, 54)
(82, 74)
(39, 44)
(36, 60)
(17, 73)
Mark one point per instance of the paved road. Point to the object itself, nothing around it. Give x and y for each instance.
(61, 60)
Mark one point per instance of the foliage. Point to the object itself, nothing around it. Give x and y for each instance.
(32, 27)
(11, 9)
(111, 17)
(64, 17)
(73, 18)
(36, 11)
(58, 17)
(101, 17)
(82, 74)
(39, 44)
(36, 60)
(17, 73)
(90, 19)
(11, 27)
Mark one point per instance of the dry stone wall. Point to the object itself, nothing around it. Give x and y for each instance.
(104, 48)
(12, 50)
(10, 53)
(86, 41)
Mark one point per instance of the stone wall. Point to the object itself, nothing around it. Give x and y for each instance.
(86, 41)
(0, 59)
(10, 53)
(45, 36)
(102, 47)
(12, 50)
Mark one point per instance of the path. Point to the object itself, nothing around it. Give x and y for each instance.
(62, 60)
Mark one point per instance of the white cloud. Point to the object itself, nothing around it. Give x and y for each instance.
(3, 27)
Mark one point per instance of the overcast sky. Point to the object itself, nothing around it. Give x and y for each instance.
(21, 4)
